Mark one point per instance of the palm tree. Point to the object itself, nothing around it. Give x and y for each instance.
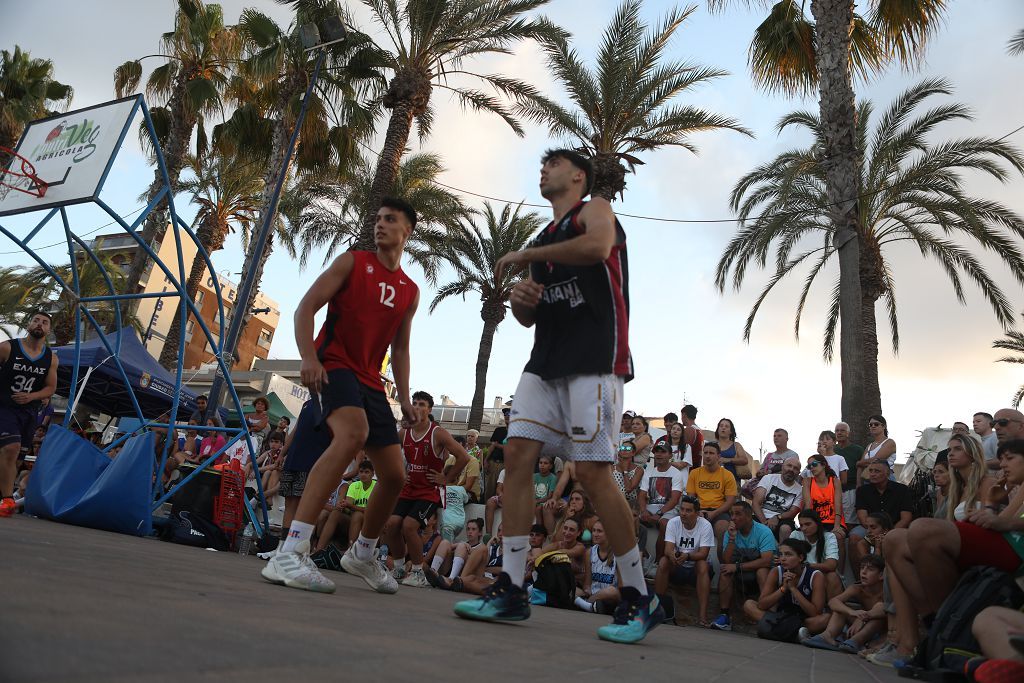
(227, 192)
(276, 72)
(473, 254)
(911, 189)
(431, 40)
(625, 106)
(1013, 341)
(1016, 47)
(790, 53)
(17, 300)
(28, 92)
(199, 53)
(327, 213)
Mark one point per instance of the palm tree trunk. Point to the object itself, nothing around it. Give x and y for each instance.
(491, 319)
(609, 177)
(872, 288)
(182, 121)
(399, 127)
(834, 19)
(208, 238)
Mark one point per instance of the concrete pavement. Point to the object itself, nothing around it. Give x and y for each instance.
(84, 605)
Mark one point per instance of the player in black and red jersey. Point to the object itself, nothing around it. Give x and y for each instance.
(28, 374)
(370, 305)
(570, 396)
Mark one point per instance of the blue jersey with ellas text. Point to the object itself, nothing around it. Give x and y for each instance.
(22, 373)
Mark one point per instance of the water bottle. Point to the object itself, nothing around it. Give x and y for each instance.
(245, 545)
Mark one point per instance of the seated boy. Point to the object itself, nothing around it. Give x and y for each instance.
(858, 613)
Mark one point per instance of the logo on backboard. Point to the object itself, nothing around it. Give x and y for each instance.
(76, 139)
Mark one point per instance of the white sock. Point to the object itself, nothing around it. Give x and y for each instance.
(364, 548)
(436, 563)
(297, 533)
(457, 564)
(584, 605)
(631, 569)
(513, 561)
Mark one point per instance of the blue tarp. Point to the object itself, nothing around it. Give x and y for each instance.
(76, 483)
(106, 390)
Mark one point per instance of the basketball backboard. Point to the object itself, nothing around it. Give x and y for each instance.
(72, 153)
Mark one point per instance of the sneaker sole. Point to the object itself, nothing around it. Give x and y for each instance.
(476, 616)
(384, 589)
(657, 619)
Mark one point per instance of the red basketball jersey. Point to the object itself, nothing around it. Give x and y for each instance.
(363, 318)
(420, 457)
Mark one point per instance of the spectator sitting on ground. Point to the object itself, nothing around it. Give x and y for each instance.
(793, 588)
(458, 553)
(880, 494)
(493, 503)
(927, 560)
(599, 592)
(660, 490)
(628, 474)
(715, 488)
(748, 552)
(689, 541)
(1000, 633)
(823, 493)
(824, 552)
(858, 613)
(567, 540)
(350, 507)
(538, 538)
(481, 570)
(544, 482)
(779, 497)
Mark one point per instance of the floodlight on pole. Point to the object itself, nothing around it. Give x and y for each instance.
(314, 37)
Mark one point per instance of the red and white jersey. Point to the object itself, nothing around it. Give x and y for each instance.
(363, 318)
(421, 456)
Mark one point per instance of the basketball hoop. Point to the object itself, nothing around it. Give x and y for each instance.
(23, 180)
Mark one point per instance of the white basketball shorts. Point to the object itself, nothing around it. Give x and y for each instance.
(576, 416)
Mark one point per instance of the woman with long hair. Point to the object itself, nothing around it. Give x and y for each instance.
(732, 452)
(940, 475)
(641, 440)
(824, 552)
(969, 483)
(823, 493)
(568, 539)
(880, 448)
(793, 587)
(676, 441)
(627, 474)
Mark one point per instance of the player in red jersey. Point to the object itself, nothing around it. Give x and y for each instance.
(370, 305)
(426, 446)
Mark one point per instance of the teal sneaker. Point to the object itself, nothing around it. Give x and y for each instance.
(502, 601)
(634, 618)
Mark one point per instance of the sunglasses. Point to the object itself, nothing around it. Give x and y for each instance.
(814, 463)
(1002, 422)
(874, 424)
(626, 448)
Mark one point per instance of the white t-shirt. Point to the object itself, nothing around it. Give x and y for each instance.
(659, 487)
(702, 535)
(779, 496)
(831, 547)
(836, 462)
(501, 476)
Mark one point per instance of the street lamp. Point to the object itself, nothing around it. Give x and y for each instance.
(314, 37)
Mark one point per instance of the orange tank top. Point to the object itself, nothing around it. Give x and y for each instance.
(823, 500)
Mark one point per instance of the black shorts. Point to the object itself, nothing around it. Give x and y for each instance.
(293, 483)
(343, 390)
(17, 425)
(416, 508)
(687, 576)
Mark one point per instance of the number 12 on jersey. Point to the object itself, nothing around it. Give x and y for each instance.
(387, 294)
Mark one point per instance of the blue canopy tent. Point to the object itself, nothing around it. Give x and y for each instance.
(104, 385)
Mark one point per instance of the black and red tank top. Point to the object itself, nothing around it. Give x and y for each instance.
(421, 456)
(363, 317)
(22, 373)
(582, 320)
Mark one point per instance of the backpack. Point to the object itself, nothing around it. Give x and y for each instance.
(190, 528)
(555, 585)
(950, 643)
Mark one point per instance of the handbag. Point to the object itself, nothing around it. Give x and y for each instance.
(781, 626)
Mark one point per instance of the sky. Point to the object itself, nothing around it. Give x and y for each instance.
(686, 336)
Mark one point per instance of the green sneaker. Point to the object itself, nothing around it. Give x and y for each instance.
(634, 618)
(502, 601)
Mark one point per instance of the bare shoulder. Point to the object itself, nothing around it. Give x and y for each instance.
(597, 208)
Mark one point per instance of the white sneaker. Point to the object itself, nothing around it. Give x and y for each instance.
(803, 634)
(372, 571)
(296, 570)
(416, 578)
(270, 554)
